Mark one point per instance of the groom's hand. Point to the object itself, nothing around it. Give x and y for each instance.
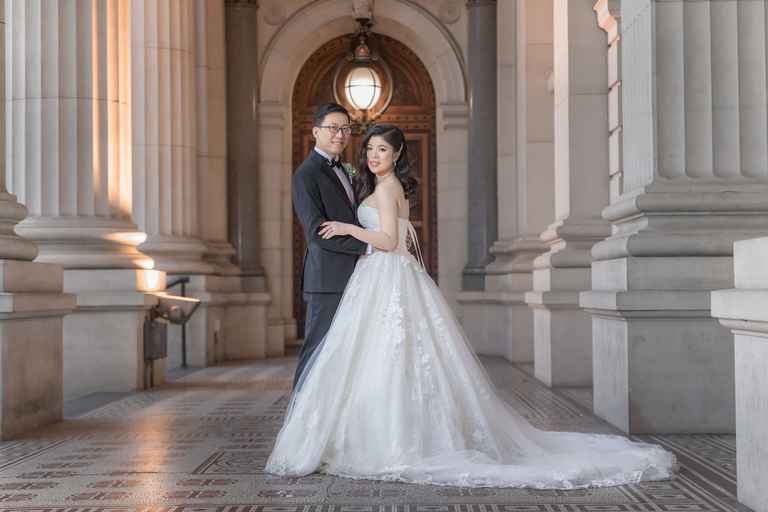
(331, 228)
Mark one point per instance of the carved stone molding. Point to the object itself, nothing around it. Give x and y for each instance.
(362, 9)
(449, 11)
(274, 12)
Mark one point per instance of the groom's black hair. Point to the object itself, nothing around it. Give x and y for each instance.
(328, 108)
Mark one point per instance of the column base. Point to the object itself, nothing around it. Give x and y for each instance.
(498, 324)
(279, 329)
(86, 242)
(562, 339)
(751, 353)
(562, 331)
(31, 309)
(177, 255)
(230, 323)
(662, 365)
(473, 278)
(104, 336)
(219, 255)
(14, 247)
(744, 310)
(497, 320)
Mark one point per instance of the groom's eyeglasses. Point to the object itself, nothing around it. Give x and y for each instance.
(345, 130)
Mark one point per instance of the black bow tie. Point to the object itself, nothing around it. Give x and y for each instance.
(336, 163)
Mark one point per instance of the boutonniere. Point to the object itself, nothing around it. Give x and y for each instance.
(349, 169)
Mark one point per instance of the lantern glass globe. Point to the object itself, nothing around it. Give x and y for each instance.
(363, 87)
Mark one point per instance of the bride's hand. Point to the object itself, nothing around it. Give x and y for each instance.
(331, 228)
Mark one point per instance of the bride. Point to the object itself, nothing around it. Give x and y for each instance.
(396, 393)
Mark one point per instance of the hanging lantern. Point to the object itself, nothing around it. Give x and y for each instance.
(363, 87)
(362, 79)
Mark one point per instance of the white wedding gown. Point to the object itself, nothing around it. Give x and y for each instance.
(395, 392)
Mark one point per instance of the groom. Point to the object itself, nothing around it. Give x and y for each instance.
(322, 191)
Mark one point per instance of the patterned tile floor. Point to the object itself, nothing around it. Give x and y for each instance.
(200, 444)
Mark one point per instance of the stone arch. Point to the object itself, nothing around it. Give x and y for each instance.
(301, 35)
(320, 21)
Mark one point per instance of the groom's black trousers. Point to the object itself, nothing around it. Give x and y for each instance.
(320, 310)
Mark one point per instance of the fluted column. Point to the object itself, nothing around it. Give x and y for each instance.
(69, 132)
(562, 332)
(497, 320)
(259, 179)
(31, 311)
(210, 69)
(483, 201)
(242, 127)
(12, 246)
(230, 322)
(694, 178)
(165, 133)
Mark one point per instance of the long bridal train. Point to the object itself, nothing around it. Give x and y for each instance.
(396, 393)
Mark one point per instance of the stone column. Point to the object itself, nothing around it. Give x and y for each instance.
(562, 331)
(498, 320)
(231, 322)
(483, 210)
(744, 310)
(257, 174)
(69, 133)
(165, 134)
(242, 125)
(31, 311)
(210, 71)
(70, 161)
(693, 178)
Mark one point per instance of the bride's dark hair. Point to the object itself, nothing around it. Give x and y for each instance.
(365, 181)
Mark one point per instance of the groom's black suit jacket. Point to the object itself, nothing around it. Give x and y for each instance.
(318, 196)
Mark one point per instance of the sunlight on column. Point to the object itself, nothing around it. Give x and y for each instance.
(151, 280)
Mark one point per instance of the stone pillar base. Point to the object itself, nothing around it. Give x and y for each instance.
(279, 330)
(744, 310)
(562, 339)
(498, 324)
(246, 326)
(230, 323)
(661, 364)
(31, 309)
(104, 336)
(276, 337)
(498, 321)
(177, 255)
(562, 331)
(751, 355)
